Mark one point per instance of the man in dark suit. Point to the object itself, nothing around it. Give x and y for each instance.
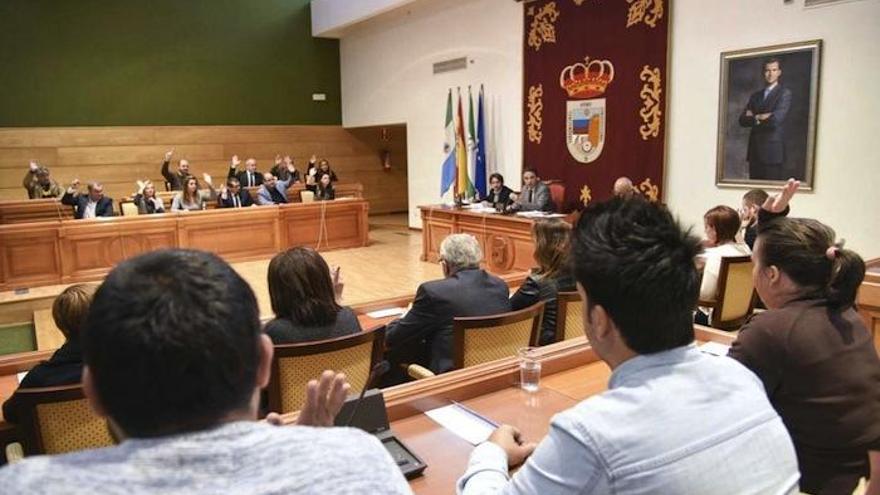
(91, 205)
(234, 196)
(424, 335)
(765, 114)
(249, 177)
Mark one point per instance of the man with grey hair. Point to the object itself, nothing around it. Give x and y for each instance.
(424, 335)
(91, 205)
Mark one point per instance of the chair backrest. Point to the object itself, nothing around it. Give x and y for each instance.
(569, 316)
(557, 193)
(55, 420)
(128, 208)
(736, 293)
(307, 196)
(479, 339)
(293, 365)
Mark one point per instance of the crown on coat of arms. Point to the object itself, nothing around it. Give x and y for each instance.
(587, 79)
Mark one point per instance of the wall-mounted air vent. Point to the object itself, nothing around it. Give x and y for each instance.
(450, 65)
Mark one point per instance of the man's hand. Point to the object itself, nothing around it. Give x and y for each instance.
(33, 166)
(763, 116)
(509, 438)
(324, 399)
(223, 191)
(235, 161)
(290, 167)
(277, 159)
(749, 113)
(778, 202)
(169, 154)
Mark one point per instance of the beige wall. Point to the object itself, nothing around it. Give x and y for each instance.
(847, 169)
(387, 78)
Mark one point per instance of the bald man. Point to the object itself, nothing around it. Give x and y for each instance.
(623, 187)
(274, 191)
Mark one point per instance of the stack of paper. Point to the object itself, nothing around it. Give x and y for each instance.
(463, 422)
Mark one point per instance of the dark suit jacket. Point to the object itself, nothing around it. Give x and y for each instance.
(424, 335)
(767, 138)
(502, 199)
(63, 368)
(286, 331)
(536, 289)
(243, 177)
(104, 208)
(244, 197)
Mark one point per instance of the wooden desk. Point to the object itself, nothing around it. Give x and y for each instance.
(571, 372)
(868, 299)
(506, 240)
(33, 210)
(42, 210)
(68, 251)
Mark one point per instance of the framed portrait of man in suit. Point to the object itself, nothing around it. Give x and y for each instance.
(767, 115)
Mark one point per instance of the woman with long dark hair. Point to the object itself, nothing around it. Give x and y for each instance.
(305, 294)
(813, 352)
(551, 276)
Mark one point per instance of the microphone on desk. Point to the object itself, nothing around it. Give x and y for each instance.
(380, 369)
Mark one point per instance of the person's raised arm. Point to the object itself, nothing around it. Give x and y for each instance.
(233, 166)
(777, 205)
(165, 172)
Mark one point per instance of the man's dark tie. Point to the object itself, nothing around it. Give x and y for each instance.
(530, 195)
(250, 179)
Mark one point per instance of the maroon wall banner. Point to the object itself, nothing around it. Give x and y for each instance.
(594, 95)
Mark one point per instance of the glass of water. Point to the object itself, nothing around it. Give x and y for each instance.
(529, 369)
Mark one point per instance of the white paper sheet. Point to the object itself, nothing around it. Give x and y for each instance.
(382, 313)
(715, 348)
(463, 423)
(20, 376)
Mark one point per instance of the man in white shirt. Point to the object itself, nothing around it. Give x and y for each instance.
(91, 205)
(673, 420)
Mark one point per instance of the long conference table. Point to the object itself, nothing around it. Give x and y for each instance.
(571, 372)
(506, 240)
(68, 251)
(40, 210)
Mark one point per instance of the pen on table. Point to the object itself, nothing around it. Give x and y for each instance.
(474, 413)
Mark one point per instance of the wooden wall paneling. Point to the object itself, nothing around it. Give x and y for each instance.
(33, 210)
(90, 248)
(71, 251)
(119, 156)
(30, 254)
(231, 234)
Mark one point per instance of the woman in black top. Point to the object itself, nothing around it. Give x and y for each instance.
(69, 311)
(812, 351)
(304, 297)
(552, 240)
(499, 194)
(325, 191)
